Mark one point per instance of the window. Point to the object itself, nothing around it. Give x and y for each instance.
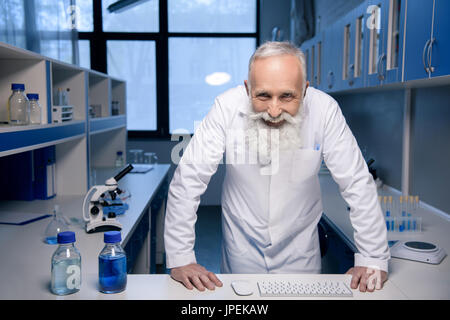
(84, 53)
(359, 44)
(345, 63)
(84, 16)
(176, 56)
(199, 70)
(134, 61)
(142, 17)
(393, 34)
(375, 34)
(212, 16)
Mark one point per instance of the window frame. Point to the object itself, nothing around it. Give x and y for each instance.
(98, 38)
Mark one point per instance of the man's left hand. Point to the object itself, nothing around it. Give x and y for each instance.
(368, 279)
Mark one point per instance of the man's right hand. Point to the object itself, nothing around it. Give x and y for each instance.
(195, 275)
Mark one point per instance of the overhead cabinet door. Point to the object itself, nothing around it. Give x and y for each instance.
(438, 51)
(418, 37)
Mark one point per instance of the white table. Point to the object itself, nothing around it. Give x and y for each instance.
(416, 280)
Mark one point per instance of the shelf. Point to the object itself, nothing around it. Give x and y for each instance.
(73, 80)
(99, 125)
(81, 143)
(99, 94)
(20, 139)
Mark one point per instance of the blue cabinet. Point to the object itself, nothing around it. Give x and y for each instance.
(439, 47)
(384, 42)
(427, 39)
(313, 50)
(353, 29)
(332, 58)
(418, 34)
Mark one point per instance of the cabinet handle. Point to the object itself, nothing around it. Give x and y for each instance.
(423, 56)
(381, 75)
(351, 74)
(430, 46)
(330, 79)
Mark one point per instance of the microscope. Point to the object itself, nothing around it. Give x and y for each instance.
(95, 202)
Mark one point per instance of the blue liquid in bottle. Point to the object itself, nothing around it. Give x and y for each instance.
(112, 264)
(112, 273)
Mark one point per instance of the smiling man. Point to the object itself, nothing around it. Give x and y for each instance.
(271, 206)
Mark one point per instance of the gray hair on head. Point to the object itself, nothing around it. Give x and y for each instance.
(277, 48)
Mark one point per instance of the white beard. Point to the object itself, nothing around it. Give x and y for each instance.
(267, 141)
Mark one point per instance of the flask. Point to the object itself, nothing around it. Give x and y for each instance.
(56, 225)
(119, 159)
(35, 108)
(112, 264)
(19, 106)
(66, 265)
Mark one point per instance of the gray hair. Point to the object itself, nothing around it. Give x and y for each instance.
(276, 48)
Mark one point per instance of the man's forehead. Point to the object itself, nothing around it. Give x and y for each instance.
(282, 71)
(285, 61)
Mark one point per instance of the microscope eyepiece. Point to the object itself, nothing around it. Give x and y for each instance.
(122, 173)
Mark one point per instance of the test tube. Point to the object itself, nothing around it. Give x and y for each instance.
(390, 208)
(403, 206)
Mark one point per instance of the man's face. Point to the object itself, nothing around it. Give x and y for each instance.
(276, 87)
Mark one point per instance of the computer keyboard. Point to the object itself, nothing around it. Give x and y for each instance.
(296, 288)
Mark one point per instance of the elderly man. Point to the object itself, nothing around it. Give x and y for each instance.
(271, 200)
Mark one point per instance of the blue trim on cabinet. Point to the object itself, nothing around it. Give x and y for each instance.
(26, 138)
(102, 124)
(49, 91)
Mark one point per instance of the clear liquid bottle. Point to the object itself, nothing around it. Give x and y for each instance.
(18, 105)
(119, 159)
(35, 108)
(56, 225)
(112, 264)
(66, 265)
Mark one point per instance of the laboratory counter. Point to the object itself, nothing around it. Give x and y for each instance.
(416, 280)
(25, 267)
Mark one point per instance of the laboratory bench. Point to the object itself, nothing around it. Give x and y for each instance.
(25, 263)
(416, 280)
(25, 266)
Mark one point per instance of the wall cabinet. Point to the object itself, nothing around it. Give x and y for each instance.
(84, 142)
(332, 58)
(353, 29)
(313, 50)
(427, 39)
(385, 24)
(381, 42)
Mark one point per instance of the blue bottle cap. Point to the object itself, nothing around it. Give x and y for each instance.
(17, 86)
(112, 237)
(33, 96)
(66, 237)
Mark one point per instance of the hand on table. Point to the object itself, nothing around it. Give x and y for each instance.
(195, 275)
(368, 279)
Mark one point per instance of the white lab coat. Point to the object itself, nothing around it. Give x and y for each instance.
(269, 221)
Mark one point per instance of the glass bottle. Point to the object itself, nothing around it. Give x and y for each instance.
(112, 264)
(18, 105)
(57, 224)
(35, 108)
(66, 265)
(119, 159)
